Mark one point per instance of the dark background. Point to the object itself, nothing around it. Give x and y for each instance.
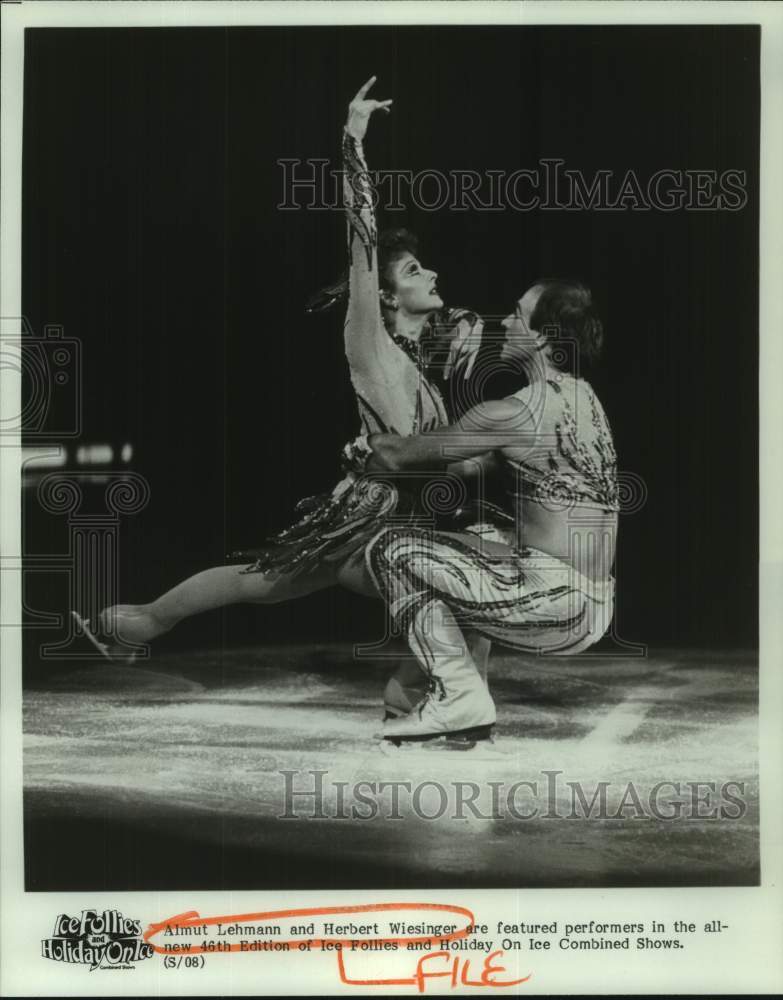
(151, 233)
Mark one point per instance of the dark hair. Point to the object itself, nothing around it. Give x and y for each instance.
(392, 244)
(565, 310)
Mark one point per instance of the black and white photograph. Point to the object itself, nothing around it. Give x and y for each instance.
(388, 505)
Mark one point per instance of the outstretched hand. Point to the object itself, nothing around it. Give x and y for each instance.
(361, 108)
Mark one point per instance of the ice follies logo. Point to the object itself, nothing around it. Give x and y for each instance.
(101, 940)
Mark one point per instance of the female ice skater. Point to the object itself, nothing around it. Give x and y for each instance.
(546, 587)
(392, 299)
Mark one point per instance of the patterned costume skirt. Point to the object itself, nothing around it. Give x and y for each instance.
(524, 599)
(336, 525)
(333, 526)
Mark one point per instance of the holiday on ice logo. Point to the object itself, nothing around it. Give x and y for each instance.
(101, 940)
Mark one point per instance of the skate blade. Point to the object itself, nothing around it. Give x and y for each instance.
(460, 739)
(443, 748)
(83, 625)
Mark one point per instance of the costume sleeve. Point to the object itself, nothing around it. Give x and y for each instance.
(367, 345)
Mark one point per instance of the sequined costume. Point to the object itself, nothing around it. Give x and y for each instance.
(393, 394)
(523, 598)
(572, 461)
(527, 600)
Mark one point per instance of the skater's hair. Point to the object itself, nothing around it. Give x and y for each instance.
(565, 312)
(392, 245)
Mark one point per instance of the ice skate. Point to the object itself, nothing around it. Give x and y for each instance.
(458, 709)
(438, 719)
(409, 683)
(115, 652)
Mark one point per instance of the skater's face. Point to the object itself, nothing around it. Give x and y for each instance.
(412, 289)
(521, 341)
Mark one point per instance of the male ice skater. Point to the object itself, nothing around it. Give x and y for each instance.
(546, 585)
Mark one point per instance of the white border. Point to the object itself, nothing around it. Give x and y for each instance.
(749, 958)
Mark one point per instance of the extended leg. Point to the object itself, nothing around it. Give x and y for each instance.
(219, 587)
(210, 589)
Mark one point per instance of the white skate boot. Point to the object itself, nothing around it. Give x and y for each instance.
(458, 705)
(409, 684)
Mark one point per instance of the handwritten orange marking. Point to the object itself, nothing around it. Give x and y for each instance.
(420, 976)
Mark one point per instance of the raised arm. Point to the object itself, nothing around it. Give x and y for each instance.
(366, 341)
